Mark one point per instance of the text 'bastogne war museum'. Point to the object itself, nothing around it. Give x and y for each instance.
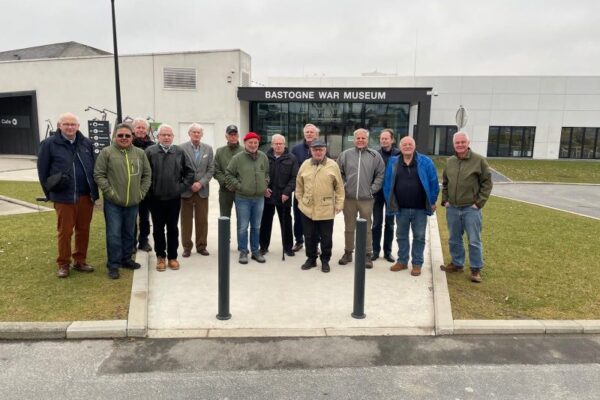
(541, 117)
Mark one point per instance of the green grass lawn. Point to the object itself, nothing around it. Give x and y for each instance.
(565, 171)
(539, 264)
(30, 289)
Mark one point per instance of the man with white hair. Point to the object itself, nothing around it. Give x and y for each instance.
(172, 175)
(466, 187)
(142, 140)
(283, 169)
(362, 171)
(65, 169)
(194, 201)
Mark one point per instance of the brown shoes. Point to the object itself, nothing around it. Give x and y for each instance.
(416, 270)
(63, 271)
(368, 261)
(186, 253)
(475, 276)
(346, 258)
(83, 268)
(398, 267)
(451, 268)
(160, 264)
(174, 264)
(203, 252)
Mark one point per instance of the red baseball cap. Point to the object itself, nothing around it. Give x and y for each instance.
(251, 135)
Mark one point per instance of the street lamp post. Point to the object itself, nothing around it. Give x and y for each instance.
(116, 56)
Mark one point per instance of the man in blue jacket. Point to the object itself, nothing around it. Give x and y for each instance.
(411, 189)
(70, 153)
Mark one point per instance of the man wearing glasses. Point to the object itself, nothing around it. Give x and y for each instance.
(70, 155)
(172, 175)
(123, 175)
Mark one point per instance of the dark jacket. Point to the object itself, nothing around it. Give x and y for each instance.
(172, 174)
(141, 143)
(386, 155)
(282, 176)
(54, 156)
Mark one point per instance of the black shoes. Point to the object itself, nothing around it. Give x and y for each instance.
(131, 265)
(374, 257)
(310, 263)
(113, 273)
(388, 257)
(290, 253)
(297, 247)
(145, 247)
(325, 266)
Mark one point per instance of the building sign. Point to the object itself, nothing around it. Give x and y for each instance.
(99, 134)
(15, 121)
(363, 95)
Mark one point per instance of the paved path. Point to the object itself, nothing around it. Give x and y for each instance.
(580, 199)
(275, 297)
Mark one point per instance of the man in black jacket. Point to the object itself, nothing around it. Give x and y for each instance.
(171, 176)
(72, 154)
(143, 141)
(283, 169)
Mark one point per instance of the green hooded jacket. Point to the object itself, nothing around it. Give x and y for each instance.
(123, 175)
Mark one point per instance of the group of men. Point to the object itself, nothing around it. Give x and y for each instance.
(139, 178)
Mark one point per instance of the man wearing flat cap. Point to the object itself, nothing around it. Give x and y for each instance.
(320, 195)
(248, 175)
(222, 158)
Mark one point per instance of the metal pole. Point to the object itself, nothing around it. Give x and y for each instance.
(359, 269)
(224, 240)
(116, 57)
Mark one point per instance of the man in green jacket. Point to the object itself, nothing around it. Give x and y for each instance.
(248, 174)
(466, 186)
(123, 174)
(222, 157)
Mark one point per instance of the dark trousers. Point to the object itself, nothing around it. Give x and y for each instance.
(378, 220)
(315, 232)
(298, 219)
(226, 199)
(285, 221)
(144, 222)
(165, 214)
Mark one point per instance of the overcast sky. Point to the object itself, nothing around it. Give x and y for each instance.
(332, 37)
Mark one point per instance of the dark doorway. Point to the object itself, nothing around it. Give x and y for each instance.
(19, 131)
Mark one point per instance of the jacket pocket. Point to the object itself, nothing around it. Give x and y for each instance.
(327, 201)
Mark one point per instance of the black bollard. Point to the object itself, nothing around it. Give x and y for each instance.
(359, 269)
(224, 239)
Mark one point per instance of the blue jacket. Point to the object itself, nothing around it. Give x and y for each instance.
(427, 175)
(54, 156)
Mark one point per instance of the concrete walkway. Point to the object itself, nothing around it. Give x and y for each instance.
(279, 299)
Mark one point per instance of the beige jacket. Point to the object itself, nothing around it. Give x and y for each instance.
(319, 189)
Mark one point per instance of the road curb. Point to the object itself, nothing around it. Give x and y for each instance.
(137, 319)
(22, 203)
(442, 308)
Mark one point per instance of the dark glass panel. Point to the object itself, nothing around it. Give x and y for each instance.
(528, 142)
(516, 141)
(576, 143)
(492, 150)
(565, 141)
(589, 140)
(298, 117)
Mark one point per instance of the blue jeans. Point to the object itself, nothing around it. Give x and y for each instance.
(120, 236)
(461, 219)
(415, 220)
(249, 212)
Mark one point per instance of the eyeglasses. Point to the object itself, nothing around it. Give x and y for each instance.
(123, 135)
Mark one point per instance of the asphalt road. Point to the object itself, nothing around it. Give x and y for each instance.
(477, 367)
(581, 199)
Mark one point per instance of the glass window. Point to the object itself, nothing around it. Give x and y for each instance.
(269, 119)
(493, 142)
(298, 117)
(565, 142)
(504, 142)
(528, 142)
(589, 142)
(516, 142)
(511, 141)
(576, 143)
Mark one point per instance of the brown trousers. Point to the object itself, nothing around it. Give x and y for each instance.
(78, 217)
(364, 209)
(194, 208)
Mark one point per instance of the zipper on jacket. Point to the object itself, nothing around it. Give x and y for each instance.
(85, 173)
(358, 174)
(128, 177)
(456, 186)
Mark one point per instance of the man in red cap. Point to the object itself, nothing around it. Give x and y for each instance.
(248, 174)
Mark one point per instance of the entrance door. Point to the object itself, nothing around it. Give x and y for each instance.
(19, 132)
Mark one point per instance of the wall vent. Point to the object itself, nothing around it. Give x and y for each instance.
(179, 78)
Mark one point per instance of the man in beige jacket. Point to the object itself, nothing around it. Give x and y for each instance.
(320, 196)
